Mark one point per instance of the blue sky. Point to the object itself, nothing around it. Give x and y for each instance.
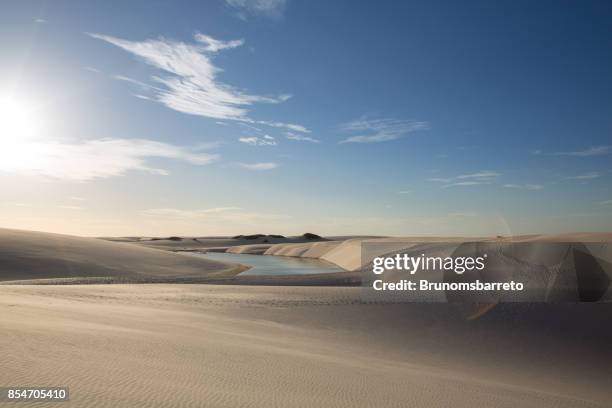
(343, 117)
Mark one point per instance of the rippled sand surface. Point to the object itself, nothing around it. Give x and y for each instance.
(261, 346)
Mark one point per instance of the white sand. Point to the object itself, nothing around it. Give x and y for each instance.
(38, 255)
(229, 346)
(347, 253)
(168, 345)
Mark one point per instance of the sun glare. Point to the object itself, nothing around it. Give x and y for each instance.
(19, 134)
(17, 121)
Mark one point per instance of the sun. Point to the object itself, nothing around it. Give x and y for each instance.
(21, 141)
(18, 122)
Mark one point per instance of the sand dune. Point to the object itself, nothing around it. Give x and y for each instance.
(228, 346)
(347, 253)
(569, 267)
(36, 255)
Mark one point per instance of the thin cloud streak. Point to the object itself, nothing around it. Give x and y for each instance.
(92, 69)
(258, 166)
(591, 151)
(380, 130)
(301, 138)
(266, 140)
(467, 183)
(268, 8)
(289, 126)
(473, 179)
(524, 186)
(586, 176)
(479, 175)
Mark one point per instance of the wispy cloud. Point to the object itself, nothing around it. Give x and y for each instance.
(40, 20)
(92, 69)
(268, 8)
(591, 151)
(468, 183)
(404, 192)
(265, 140)
(380, 130)
(258, 166)
(606, 202)
(586, 176)
(249, 127)
(282, 125)
(471, 179)
(70, 207)
(525, 186)
(190, 84)
(88, 160)
(486, 174)
(301, 138)
(439, 179)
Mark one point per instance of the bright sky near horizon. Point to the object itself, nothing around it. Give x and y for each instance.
(284, 116)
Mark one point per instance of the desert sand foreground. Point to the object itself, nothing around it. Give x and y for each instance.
(160, 345)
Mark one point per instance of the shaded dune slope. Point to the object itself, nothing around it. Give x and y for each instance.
(26, 255)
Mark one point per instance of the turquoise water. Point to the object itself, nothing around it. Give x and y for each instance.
(275, 265)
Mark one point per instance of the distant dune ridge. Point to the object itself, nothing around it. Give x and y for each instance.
(215, 243)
